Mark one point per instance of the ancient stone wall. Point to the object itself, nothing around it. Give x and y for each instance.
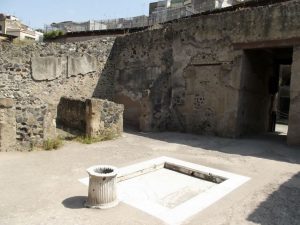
(71, 115)
(7, 124)
(90, 117)
(36, 76)
(103, 118)
(187, 75)
(254, 103)
(142, 66)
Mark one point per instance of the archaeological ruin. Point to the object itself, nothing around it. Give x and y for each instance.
(211, 74)
(214, 73)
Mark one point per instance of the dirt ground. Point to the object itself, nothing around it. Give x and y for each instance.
(41, 188)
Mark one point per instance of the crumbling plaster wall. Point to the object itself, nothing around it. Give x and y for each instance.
(143, 77)
(187, 75)
(36, 76)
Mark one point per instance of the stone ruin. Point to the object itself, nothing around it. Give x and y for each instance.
(91, 117)
(212, 74)
(36, 78)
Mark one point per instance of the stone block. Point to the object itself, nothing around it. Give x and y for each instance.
(71, 115)
(49, 123)
(93, 117)
(90, 117)
(102, 117)
(81, 65)
(46, 68)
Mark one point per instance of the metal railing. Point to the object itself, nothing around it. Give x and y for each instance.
(123, 23)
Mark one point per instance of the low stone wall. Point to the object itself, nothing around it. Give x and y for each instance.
(71, 115)
(90, 117)
(7, 124)
(103, 117)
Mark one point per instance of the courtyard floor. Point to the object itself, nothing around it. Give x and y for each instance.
(42, 187)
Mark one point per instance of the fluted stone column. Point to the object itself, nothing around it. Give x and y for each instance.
(102, 187)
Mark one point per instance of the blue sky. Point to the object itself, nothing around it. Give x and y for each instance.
(36, 13)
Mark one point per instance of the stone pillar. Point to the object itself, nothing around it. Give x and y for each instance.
(93, 117)
(294, 114)
(146, 112)
(102, 187)
(103, 118)
(49, 123)
(7, 124)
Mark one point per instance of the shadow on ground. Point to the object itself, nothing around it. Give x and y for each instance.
(281, 207)
(267, 146)
(76, 202)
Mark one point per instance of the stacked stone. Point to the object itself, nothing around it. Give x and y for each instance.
(24, 78)
(91, 117)
(7, 125)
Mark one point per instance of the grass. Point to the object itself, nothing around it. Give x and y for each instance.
(53, 34)
(105, 136)
(52, 144)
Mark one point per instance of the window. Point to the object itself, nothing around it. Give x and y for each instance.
(0, 28)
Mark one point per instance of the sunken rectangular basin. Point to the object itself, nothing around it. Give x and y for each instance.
(174, 190)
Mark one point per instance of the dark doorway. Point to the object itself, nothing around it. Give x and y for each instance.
(265, 91)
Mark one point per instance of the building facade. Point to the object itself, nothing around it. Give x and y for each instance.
(11, 25)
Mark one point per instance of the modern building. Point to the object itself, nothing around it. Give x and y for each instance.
(167, 10)
(11, 25)
(70, 26)
(156, 7)
(159, 6)
(194, 6)
(180, 3)
(159, 12)
(206, 5)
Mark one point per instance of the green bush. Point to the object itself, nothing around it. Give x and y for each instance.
(53, 34)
